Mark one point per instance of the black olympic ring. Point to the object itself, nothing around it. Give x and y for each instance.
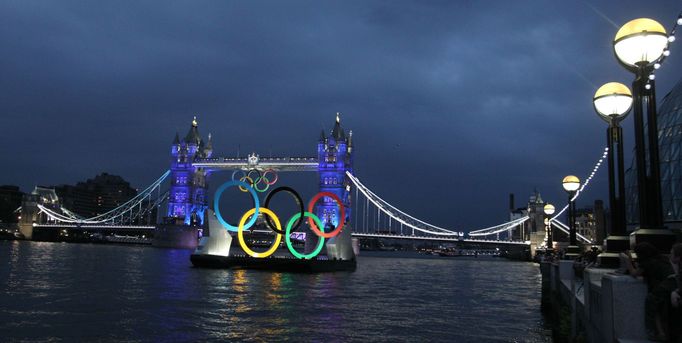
(297, 198)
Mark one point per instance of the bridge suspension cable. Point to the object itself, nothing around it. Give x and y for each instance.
(498, 228)
(394, 213)
(506, 226)
(564, 228)
(132, 208)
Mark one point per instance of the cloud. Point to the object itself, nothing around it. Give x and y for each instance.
(465, 90)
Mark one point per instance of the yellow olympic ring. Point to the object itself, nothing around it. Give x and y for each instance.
(243, 179)
(240, 233)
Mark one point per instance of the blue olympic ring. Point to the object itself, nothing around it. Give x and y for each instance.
(216, 204)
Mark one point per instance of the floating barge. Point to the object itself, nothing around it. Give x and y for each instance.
(217, 251)
(279, 264)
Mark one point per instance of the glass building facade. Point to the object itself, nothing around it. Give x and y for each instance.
(670, 143)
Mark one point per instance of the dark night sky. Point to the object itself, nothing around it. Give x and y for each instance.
(453, 104)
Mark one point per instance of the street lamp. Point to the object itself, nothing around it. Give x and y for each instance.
(571, 184)
(612, 102)
(549, 210)
(638, 45)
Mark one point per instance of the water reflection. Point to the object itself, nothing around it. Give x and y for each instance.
(119, 293)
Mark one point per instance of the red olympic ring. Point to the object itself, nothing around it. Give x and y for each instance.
(342, 213)
(271, 171)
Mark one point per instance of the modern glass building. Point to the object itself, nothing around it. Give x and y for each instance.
(670, 144)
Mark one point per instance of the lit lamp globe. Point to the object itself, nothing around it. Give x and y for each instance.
(639, 43)
(549, 209)
(571, 183)
(612, 101)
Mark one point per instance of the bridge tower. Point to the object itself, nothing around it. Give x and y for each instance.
(187, 198)
(536, 222)
(335, 155)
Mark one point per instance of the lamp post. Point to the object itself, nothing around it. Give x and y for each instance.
(549, 211)
(612, 102)
(638, 45)
(571, 184)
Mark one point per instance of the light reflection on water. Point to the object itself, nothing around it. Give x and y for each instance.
(81, 292)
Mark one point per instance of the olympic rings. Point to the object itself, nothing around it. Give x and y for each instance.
(254, 214)
(296, 197)
(342, 215)
(287, 238)
(216, 204)
(238, 171)
(261, 190)
(260, 177)
(273, 222)
(256, 179)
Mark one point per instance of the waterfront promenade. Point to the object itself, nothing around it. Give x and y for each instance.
(596, 305)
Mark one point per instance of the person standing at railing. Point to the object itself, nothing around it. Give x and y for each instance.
(674, 324)
(656, 272)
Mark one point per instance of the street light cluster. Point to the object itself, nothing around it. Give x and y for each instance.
(640, 46)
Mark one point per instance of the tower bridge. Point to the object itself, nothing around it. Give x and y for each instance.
(253, 161)
(366, 214)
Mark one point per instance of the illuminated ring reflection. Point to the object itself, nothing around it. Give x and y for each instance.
(240, 232)
(342, 215)
(216, 204)
(287, 238)
(296, 197)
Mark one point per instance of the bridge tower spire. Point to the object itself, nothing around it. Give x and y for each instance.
(187, 198)
(335, 158)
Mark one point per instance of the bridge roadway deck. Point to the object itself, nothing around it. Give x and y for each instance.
(96, 227)
(275, 163)
(433, 238)
(359, 235)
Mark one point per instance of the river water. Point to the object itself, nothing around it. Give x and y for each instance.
(55, 292)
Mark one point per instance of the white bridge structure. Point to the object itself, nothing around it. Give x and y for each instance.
(373, 216)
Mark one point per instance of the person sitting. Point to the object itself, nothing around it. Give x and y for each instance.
(655, 269)
(674, 327)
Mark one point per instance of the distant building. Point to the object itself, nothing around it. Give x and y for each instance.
(79, 200)
(590, 222)
(95, 196)
(585, 223)
(10, 201)
(535, 210)
(517, 213)
(670, 155)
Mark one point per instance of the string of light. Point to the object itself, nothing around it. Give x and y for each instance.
(666, 52)
(587, 182)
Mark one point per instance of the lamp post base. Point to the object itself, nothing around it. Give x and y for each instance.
(662, 239)
(609, 260)
(616, 244)
(572, 252)
(613, 246)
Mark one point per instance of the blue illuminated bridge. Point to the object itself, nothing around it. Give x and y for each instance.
(182, 191)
